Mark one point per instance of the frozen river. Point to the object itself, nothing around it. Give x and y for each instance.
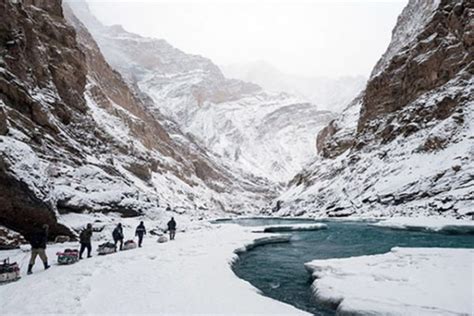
(278, 269)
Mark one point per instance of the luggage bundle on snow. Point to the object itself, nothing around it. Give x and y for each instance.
(69, 256)
(162, 239)
(9, 271)
(129, 244)
(106, 248)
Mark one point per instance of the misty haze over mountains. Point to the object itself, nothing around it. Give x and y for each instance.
(331, 94)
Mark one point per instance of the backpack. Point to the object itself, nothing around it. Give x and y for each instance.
(82, 235)
(117, 234)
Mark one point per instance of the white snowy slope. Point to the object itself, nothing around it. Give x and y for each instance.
(267, 134)
(429, 223)
(405, 281)
(331, 94)
(405, 145)
(190, 275)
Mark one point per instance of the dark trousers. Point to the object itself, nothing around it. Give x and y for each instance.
(140, 239)
(172, 233)
(121, 243)
(84, 246)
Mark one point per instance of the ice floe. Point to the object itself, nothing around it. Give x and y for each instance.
(293, 227)
(445, 225)
(404, 281)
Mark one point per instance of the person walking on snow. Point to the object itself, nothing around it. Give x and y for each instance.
(38, 242)
(140, 232)
(85, 240)
(117, 234)
(172, 228)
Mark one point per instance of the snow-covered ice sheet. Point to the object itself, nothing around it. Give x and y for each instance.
(405, 281)
(272, 239)
(438, 224)
(293, 227)
(191, 275)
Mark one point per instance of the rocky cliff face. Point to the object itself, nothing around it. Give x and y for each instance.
(38, 56)
(76, 138)
(268, 135)
(405, 145)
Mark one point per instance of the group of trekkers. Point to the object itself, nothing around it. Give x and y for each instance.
(39, 239)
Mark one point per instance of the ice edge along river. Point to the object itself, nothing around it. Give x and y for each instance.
(191, 275)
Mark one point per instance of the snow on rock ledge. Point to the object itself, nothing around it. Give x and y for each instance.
(444, 225)
(294, 227)
(405, 281)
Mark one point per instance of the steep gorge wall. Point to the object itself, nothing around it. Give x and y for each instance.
(404, 146)
(42, 79)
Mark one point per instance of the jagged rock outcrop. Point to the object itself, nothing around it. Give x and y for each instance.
(409, 148)
(443, 49)
(38, 55)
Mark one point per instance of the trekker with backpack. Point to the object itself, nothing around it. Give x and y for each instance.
(85, 240)
(117, 234)
(38, 241)
(172, 228)
(140, 232)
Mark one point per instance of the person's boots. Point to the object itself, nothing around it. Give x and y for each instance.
(30, 269)
(46, 265)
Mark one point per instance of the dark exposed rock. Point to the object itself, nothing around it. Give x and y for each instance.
(140, 170)
(22, 211)
(3, 122)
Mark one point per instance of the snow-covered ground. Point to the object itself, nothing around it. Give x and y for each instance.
(191, 275)
(429, 223)
(405, 281)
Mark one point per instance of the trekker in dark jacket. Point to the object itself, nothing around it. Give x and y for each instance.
(172, 228)
(85, 240)
(140, 232)
(38, 241)
(117, 234)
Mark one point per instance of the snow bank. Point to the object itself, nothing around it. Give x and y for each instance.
(274, 239)
(22, 162)
(437, 224)
(405, 281)
(190, 275)
(294, 227)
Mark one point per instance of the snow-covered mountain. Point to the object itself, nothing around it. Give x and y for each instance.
(405, 145)
(270, 135)
(75, 138)
(331, 94)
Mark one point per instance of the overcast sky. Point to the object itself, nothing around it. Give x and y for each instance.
(317, 38)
